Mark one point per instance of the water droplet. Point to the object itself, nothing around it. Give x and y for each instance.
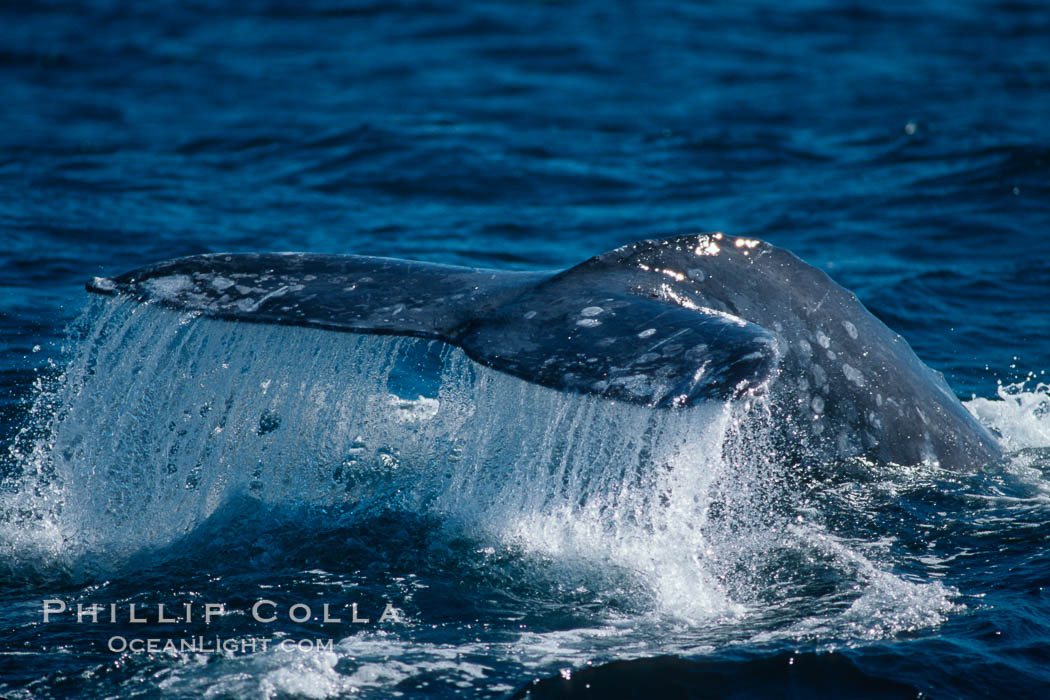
(388, 457)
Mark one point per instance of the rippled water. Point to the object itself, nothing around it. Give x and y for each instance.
(148, 457)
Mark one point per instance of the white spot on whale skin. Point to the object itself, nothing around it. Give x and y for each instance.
(588, 322)
(823, 340)
(221, 283)
(591, 311)
(850, 329)
(649, 357)
(819, 377)
(922, 416)
(529, 315)
(648, 332)
(696, 274)
(697, 353)
(817, 404)
(842, 441)
(169, 287)
(854, 375)
(249, 305)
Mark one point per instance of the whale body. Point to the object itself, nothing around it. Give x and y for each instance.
(663, 323)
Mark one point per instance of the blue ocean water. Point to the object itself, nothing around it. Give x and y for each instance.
(148, 459)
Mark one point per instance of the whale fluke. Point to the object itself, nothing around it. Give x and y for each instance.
(566, 330)
(664, 323)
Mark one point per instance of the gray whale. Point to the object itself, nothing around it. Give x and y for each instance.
(664, 323)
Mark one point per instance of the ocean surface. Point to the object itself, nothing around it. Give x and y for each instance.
(525, 540)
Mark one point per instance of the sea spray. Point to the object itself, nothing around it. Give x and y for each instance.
(162, 420)
(1020, 414)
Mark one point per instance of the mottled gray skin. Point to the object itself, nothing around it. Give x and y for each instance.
(590, 329)
(661, 323)
(846, 384)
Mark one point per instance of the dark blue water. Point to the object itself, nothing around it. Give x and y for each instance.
(901, 147)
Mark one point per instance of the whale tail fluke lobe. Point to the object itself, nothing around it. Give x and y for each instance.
(574, 330)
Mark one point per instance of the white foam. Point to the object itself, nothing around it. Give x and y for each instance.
(1020, 414)
(887, 604)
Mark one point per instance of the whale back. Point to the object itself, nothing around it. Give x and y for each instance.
(848, 385)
